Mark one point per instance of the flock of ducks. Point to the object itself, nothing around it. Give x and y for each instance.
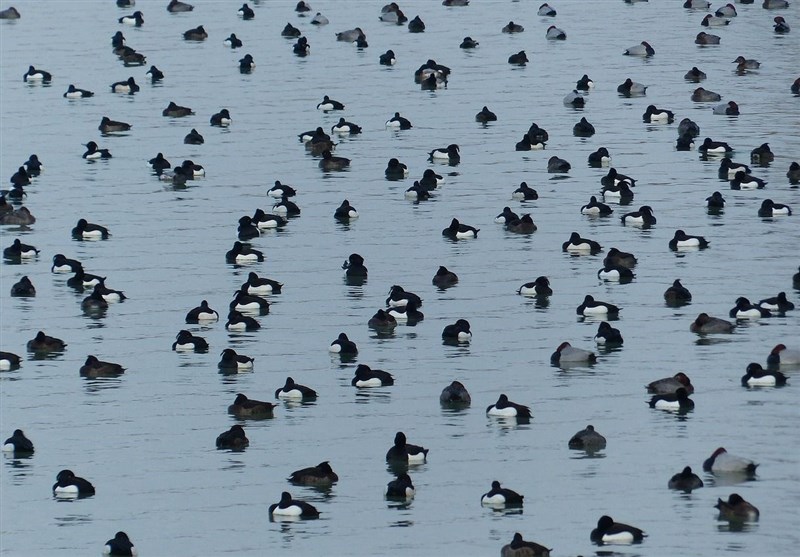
(670, 393)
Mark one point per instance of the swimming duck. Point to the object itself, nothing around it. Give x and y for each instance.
(246, 64)
(75, 93)
(556, 165)
(454, 394)
(343, 126)
(194, 138)
(677, 294)
(330, 162)
(343, 346)
(641, 49)
(234, 42)
(608, 335)
(756, 376)
(451, 154)
(403, 451)
(259, 286)
(62, 264)
(186, 341)
(368, 377)
(685, 481)
(704, 95)
(349, 36)
(328, 104)
(292, 508)
(596, 208)
(527, 144)
(196, 34)
(677, 401)
(400, 488)
(94, 368)
(706, 324)
(136, 19)
(444, 278)
(10, 13)
(735, 508)
(781, 355)
(302, 7)
(202, 313)
(521, 548)
(21, 216)
(780, 25)
(743, 64)
(695, 75)
(301, 47)
(295, 391)
(729, 108)
(120, 544)
(18, 251)
(319, 19)
(567, 354)
(234, 439)
(525, 193)
(416, 25)
(714, 21)
(630, 88)
(793, 174)
(610, 532)
(762, 154)
(176, 111)
(505, 408)
(688, 127)
(654, 115)
(176, 6)
(684, 142)
(583, 128)
(522, 225)
(354, 266)
(578, 244)
(239, 322)
(398, 122)
(681, 240)
(584, 83)
(500, 496)
(587, 439)
(771, 209)
(398, 297)
(669, 385)
(107, 125)
(246, 12)
(722, 462)
(537, 134)
(458, 231)
(159, 164)
(291, 31)
(395, 170)
(545, 10)
(387, 58)
(728, 169)
(728, 10)
(486, 115)
(320, 475)
(468, 42)
(775, 4)
(23, 288)
(249, 303)
(744, 181)
(746, 310)
(221, 118)
(512, 27)
(244, 407)
(506, 216)
(9, 361)
(555, 34)
(69, 485)
(154, 74)
(382, 321)
(777, 303)
(43, 343)
(458, 331)
(33, 166)
(643, 217)
(592, 307)
(575, 99)
(35, 76)
(539, 287)
(18, 444)
(93, 152)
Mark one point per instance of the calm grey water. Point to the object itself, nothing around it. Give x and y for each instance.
(146, 439)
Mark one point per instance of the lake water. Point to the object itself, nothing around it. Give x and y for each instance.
(146, 439)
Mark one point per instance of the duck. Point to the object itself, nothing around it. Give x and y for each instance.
(154, 74)
(553, 33)
(35, 76)
(775, 4)
(575, 99)
(505, 408)
(728, 169)
(21, 216)
(18, 444)
(367, 377)
(320, 475)
(259, 286)
(109, 294)
(187, 342)
(722, 462)
(89, 231)
(657, 115)
(202, 313)
(728, 10)
(9, 361)
(522, 225)
(402, 451)
(93, 152)
(393, 15)
(243, 253)
(290, 31)
(330, 162)
(444, 277)
(249, 303)
(468, 43)
(620, 258)
(704, 95)
(736, 509)
(43, 344)
(500, 496)
(400, 488)
(512, 27)
(793, 174)
(284, 207)
(567, 354)
(329, 104)
(62, 264)
(537, 134)
(518, 546)
(451, 154)
(354, 266)
(756, 376)
(398, 122)
(762, 155)
(539, 287)
(506, 216)
(430, 180)
(234, 42)
(416, 25)
(685, 481)
(69, 485)
(238, 322)
(247, 230)
(583, 128)
(176, 6)
(610, 532)
(585, 83)
(76, 93)
(349, 36)
(743, 64)
(246, 64)
(714, 21)
(281, 190)
(193, 138)
(136, 19)
(695, 75)
(107, 125)
(399, 297)
(234, 439)
(455, 394)
(592, 307)
(387, 58)
(587, 440)
(780, 26)
(668, 385)
(246, 12)
(196, 34)
(120, 544)
(782, 355)
(527, 144)
(176, 111)
(677, 294)
(596, 208)
(600, 157)
(33, 166)
(458, 331)
(677, 401)
(244, 407)
(18, 251)
(343, 126)
(396, 170)
(777, 303)
(643, 217)
(641, 49)
(771, 209)
(746, 310)
(608, 335)
(319, 19)
(159, 164)
(458, 231)
(295, 391)
(577, 244)
(705, 324)
(221, 118)
(630, 88)
(10, 13)
(292, 508)
(302, 7)
(681, 240)
(556, 165)
(94, 368)
(689, 127)
(343, 346)
(485, 115)
(17, 192)
(82, 280)
(729, 108)
(382, 320)
(743, 181)
(525, 193)
(301, 47)
(23, 288)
